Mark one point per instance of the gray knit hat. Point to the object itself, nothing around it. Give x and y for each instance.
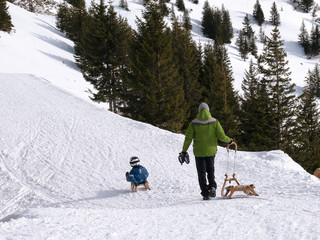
(202, 106)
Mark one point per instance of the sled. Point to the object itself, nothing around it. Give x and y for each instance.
(229, 191)
(146, 186)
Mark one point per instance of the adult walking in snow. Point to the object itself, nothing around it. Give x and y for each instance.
(205, 131)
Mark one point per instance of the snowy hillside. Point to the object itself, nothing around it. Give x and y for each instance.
(62, 171)
(63, 158)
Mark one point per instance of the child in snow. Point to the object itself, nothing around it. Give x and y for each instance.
(138, 174)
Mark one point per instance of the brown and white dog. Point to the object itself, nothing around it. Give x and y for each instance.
(247, 189)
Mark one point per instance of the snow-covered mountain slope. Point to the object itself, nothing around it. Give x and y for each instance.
(62, 176)
(63, 159)
(37, 47)
(290, 18)
(49, 54)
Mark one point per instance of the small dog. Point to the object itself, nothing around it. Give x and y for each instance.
(247, 189)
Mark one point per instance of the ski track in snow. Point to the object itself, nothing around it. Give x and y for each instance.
(62, 167)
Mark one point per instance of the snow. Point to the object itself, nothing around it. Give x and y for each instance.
(63, 158)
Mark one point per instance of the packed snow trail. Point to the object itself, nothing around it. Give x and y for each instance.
(59, 150)
(62, 172)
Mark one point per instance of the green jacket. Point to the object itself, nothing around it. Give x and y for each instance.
(205, 132)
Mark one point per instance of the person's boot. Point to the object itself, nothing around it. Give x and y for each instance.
(212, 192)
(206, 198)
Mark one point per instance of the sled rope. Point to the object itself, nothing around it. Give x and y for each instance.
(234, 159)
(228, 163)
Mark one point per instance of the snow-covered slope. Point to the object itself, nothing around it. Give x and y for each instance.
(63, 159)
(62, 176)
(37, 47)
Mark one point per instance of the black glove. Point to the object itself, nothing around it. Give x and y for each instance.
(127, 174)
(231, 141)
(184, 157)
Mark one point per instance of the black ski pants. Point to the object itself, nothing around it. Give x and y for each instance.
(205, 169)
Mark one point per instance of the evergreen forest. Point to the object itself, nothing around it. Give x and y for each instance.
(158, 74)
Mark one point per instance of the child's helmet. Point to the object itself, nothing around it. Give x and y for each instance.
(134, 161)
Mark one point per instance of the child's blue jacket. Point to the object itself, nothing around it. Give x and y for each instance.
(138, 175)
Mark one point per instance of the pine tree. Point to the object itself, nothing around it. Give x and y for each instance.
(275, 72)
(124, 4)
(216, 24)
(185, 51)
(76, 3)
(258, 13)
(5, 18)
(207, 20)
(255, 112)
(274, 15)
(180, 5)
(243, 45)
(316, 80)
(230, 110)
(69, 19)
(210, 71)
(304, 39)
(315, 41)
(246, 41)
(155, 89)
(227, 28)
(262, 36)
(31, 7)
(306, 149)
(102, 53)
(63, 18)
(253, 47)
(164, 8)
(306, 5)
(247, 29)
(314, 12)
(186, 21)
(218, 89)
(200, 62)
(249, 106)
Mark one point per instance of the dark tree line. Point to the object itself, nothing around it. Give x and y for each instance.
(5, 18)
(246, 39)
(310, 41)
(216, 24)
(305, 149)
(272, 117)
(158, 74)
(304, 5)
(268, 100)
